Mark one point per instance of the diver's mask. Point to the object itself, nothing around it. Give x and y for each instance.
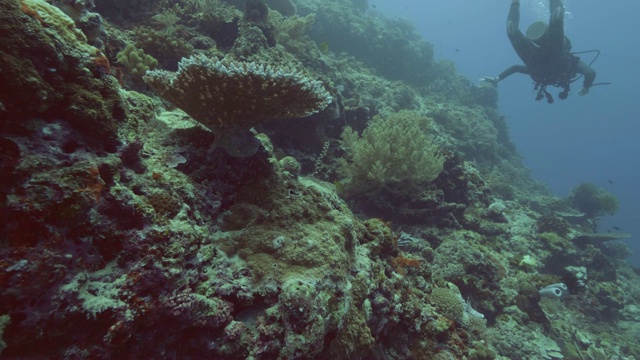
(537, 31)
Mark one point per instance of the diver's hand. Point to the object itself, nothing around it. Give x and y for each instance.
(490, 80)
(583, 91)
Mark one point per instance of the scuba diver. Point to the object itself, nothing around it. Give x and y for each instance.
(546, 53)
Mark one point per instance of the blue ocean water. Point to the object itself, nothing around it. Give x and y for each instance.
(593, 138)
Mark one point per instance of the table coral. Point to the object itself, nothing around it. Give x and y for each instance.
(227, 95)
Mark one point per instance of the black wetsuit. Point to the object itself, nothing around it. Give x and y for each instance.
(548, 60)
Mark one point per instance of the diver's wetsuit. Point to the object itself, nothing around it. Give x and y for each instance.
(548, 60)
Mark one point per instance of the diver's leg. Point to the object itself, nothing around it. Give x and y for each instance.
(513, 19)
(556, 10)
(523, 47)
(556, 27)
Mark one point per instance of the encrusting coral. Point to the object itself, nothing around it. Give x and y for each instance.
(49, 70)
(230, 97)
(56, 19)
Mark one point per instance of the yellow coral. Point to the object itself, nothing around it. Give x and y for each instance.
(63, 27)
(135, 61)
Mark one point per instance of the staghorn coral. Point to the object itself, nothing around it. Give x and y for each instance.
(232, 96)
(292, 34)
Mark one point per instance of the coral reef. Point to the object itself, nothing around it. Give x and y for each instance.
(468, 130)
(166, 46)
(391, 46)
(285, 7)
(127, 233)
(52, 72)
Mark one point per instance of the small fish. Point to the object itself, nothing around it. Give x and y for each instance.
(610, 181)
(615, 228)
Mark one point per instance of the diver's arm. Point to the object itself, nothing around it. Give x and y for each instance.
(589, 76)
(512, 70)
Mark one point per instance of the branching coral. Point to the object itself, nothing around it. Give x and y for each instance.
(393, 148)
(593, 200)
(168, 46)
(135, 61)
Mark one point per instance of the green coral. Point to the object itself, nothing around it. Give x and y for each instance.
(448, 302)
(60, 77)
(4, 321)
(285, 7)
(295, 28)
(482, 352)
(554, 240)
(469, 130)
(593, 200)
(167, 46)
(553, 223)
(135, 61)
(392, 148)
